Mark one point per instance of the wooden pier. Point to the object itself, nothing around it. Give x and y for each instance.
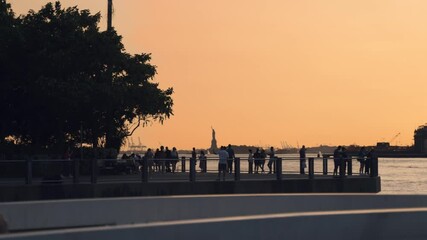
(148, 183)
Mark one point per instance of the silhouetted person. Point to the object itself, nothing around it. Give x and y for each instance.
(257, 160)
(202, 161)
(131, 163)
(369, 158)
(271, 160)
(337, 156)
(250, 162)
(302, 160)
(149, 156)
(230, 152)
(262, 155)
(162, 158)
(194, 154)
(222, 165)
(361, 159)
(157, 160)
(168, 159)
(175, 158)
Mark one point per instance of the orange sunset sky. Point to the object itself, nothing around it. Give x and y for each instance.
(261, 72)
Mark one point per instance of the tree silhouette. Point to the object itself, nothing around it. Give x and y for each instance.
(59, 72)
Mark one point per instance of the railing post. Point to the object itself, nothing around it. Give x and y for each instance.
(310, 168)
(76, 175)
(192, 169)
(237, 169)
(94, 177)
(342, 167)
(29, 175)
(144, 173)
(350, 166)
(274, 165)
(325, 165)
(182, 164)
(374, 166)
(278, 165)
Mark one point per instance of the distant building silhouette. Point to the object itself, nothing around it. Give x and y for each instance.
(214, 146)
(383, 145)
(420, 139)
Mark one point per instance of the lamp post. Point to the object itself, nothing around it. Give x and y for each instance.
(110, 15)
(78, 160)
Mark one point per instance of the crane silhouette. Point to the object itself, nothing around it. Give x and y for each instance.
(394, 138)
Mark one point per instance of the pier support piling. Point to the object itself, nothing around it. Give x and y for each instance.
(144, 172)
(278, 164)
(237, 169)
(374, 167)
(311, 168)
(192, 169)
(182, 164)
(349, 167)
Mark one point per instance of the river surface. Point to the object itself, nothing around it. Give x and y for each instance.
(403, 175)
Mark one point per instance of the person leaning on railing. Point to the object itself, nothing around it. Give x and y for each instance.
(222, 165)
(175, 159)
(344, 159)
(250, 162)
(302, 158)
(230, 160)
(271, 160)
(337, 156)
(257, 159)
(361, 159)
(168, 161)
(202, 161)
(262, 156)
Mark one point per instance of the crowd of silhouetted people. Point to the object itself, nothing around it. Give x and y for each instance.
(257, 159)
(162, 160)
(342, 159)
(165, 160)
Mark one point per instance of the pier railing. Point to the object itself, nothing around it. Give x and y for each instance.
(32, 171)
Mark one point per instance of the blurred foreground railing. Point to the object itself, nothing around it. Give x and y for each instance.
(32, 171)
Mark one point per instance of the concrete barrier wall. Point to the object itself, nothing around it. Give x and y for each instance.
(375, 224)
(117, 211)
(128, 189)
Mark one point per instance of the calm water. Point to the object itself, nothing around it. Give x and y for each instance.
(403, 175)
(398, 175)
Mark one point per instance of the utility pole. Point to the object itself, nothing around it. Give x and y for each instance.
(110, 15)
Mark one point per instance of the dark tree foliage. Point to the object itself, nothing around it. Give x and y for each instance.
(59, 72)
